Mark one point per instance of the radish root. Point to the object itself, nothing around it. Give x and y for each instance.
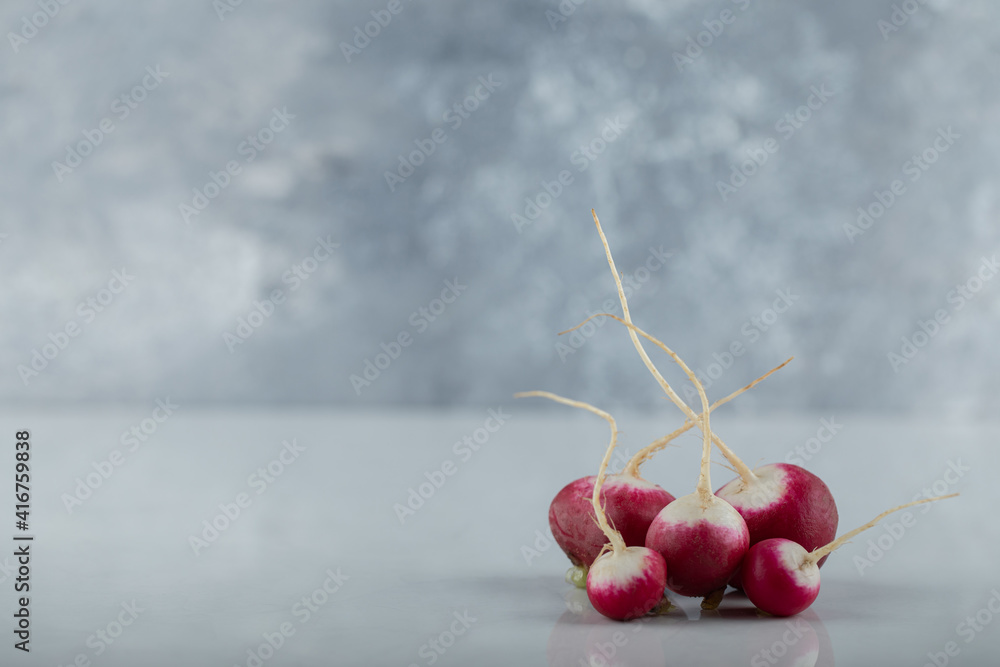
(742, 469)
(647, 452)
(632, 334)
(615, 538)
(745, 473)
(819, 552)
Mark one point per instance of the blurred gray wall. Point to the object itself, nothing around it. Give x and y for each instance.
(842, 99)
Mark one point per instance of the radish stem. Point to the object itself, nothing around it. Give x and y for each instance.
(617, 542)
(743, 470)
(635, 339)
(819, 552)
(644, 454)
(705, 478)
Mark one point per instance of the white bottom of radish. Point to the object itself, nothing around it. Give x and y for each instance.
(690, 510)
(628, 583)
(618, 572)
(768, 489)
(792, 557)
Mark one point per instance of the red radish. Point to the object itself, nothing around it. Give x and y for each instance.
(631, 504)
(782, 578)
(702, 539)
(782, 500)
(630, 501)
(777, 500)
(623, 582)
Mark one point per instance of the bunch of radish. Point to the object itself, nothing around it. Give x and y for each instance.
(767, 532)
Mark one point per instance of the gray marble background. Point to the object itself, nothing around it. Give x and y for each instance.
(889, 90)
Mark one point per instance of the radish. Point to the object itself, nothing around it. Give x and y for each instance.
(702, 538)
(776, 500)
(782, 578)
(630, 501)
(623, 582)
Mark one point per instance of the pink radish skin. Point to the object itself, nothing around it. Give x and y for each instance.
(626, 585)
(631, 504)
(784, 500)
(778, 579)
(701, 546)
(781, 578)
(623, 582)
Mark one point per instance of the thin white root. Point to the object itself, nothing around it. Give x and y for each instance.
(742, 469)
(616, 539)
(704, 478)
(819, 552)
(723, 465)
(632, 334)
(647, 452)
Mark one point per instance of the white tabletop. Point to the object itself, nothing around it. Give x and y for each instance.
(452, 583)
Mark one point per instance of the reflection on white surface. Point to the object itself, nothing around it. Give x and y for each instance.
(734, 634)
(401, 587)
